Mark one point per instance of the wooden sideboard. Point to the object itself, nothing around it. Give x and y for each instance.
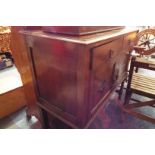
(75, 75)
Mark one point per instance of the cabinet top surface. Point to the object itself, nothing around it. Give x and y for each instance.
(85, 39)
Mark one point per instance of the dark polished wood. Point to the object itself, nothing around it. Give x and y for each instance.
(75, 75)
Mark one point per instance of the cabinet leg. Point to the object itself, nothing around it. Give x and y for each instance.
(28, 115)
(45, 120)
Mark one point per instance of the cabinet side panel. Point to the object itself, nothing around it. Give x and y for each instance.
(55, 64)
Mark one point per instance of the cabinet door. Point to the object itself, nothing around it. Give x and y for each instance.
(55, 75)
(104, 70)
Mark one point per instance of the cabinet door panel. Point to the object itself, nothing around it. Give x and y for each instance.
(104, 70)
(56, 84)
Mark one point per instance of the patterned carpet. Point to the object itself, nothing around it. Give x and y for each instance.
(114, 117)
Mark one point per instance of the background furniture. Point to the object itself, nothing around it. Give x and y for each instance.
(74, 75)
(4, 44)
(12, 96)
(140, 81)
(5, 36)
(141, 84)
(19, 51)
(146, 39)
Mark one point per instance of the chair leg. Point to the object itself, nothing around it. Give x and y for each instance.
(136, 70)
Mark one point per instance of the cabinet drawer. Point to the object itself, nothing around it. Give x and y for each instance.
(105, 52)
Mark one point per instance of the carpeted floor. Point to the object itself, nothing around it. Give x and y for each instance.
(114, 117)
(110, 117)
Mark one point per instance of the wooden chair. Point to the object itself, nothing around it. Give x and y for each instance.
(140, 84)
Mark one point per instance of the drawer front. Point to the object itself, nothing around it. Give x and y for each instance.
(105, 70)
(129, 41)
(105, 52)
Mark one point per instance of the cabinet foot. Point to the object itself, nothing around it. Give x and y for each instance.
(45, 121)
(28, 117)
